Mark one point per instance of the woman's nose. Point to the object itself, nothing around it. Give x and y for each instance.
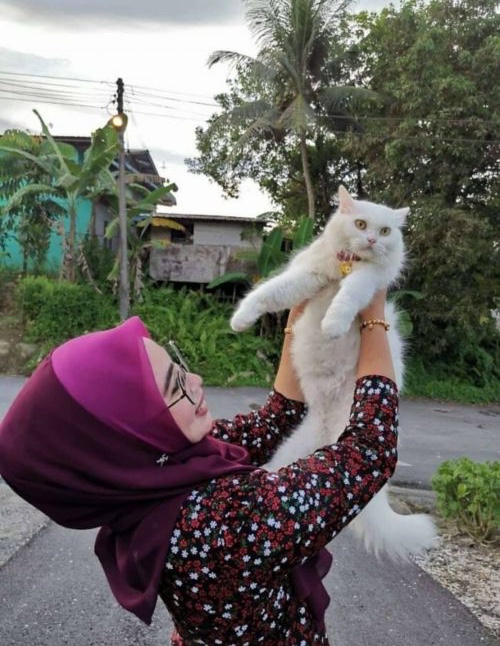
(196, 379)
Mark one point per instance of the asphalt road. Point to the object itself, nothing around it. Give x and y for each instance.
(430, 431)
(53, 592)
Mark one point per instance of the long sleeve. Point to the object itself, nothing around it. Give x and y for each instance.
(261, 431)
(241, 536)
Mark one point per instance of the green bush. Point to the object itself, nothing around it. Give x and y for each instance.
(469, 493)
(55, 311)
(199, 324)
(434, 381)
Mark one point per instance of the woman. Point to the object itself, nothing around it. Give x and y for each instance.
(110, 431)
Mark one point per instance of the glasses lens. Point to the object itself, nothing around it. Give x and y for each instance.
(176, 356)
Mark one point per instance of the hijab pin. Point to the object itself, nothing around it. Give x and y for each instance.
(161, 461)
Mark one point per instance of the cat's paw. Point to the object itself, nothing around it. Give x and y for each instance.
(241, 320)
(334, 327)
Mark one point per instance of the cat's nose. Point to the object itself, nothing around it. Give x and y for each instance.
(372, 240)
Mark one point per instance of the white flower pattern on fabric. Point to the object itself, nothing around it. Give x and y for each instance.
(253, 529)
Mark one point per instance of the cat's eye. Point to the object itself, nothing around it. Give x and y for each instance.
(384, 231)
(361, 224)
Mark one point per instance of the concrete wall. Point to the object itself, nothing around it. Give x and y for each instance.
(208, 255)
(193, 263)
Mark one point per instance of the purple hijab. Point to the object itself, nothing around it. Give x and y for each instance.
(90, 442)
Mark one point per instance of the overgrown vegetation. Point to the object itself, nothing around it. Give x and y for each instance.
(52, 312)
(435, 150)
(290, 122)
(468, 493)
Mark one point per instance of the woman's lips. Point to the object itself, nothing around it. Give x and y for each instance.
(202, 408)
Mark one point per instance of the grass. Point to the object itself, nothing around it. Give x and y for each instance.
(420, 382)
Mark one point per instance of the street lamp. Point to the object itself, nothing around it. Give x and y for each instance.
(119, 123)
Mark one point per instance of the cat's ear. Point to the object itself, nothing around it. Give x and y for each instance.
(401, 215)
(346, 202)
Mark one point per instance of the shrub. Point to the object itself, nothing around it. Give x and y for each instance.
(54, 311)
(199, 324)
(435, 382)
(469, 493)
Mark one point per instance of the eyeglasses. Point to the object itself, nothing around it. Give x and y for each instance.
(182, 372)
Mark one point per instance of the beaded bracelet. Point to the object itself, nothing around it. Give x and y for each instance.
(371, 322)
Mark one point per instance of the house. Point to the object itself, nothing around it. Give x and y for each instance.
(91, 218)
(204, 249)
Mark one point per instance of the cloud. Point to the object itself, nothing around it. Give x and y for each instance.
(17, 95)
(120, 11)
(13, 61)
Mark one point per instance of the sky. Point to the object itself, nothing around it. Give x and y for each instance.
(160, 49)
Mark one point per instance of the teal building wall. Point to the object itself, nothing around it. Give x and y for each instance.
(12, 256)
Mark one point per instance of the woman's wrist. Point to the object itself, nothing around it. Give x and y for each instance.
(375, 309)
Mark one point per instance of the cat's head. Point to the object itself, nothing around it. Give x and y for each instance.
(372, 231)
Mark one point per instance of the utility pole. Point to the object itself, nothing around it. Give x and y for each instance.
(119, 122)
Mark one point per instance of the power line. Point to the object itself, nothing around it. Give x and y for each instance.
(78, 97)
(62, 78)
(52, 102)
(386, 136)
(48, 86)
(170, 98)
(157, 93)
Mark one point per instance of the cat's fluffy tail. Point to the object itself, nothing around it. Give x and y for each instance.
(399, 536)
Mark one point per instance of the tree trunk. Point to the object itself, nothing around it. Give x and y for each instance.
(311, 210)
(93, 219)
(70, 255)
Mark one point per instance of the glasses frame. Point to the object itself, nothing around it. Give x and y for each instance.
(178, 359)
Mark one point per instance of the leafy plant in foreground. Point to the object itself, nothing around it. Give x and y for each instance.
(469, 493)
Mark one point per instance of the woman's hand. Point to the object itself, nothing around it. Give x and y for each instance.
(286, 381)
(376, 309)
(295, 313)
(374, 352)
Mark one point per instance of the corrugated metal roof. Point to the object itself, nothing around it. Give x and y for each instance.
(210, 217)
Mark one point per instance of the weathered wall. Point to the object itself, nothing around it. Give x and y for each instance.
(192, 263)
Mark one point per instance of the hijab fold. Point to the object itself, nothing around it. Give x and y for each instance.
(82, 442)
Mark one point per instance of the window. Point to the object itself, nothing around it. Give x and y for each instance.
(183, 237)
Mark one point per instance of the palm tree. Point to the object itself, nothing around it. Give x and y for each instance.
(292, 69)
(67, 179)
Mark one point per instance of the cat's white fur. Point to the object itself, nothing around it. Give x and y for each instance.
(326, 345)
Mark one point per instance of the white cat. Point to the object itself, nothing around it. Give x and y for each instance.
(326, 344)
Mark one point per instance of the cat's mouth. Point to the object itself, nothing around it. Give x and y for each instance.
(345, 255)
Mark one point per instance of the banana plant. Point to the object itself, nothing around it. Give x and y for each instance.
(269, 257)
(68, 179)
(145, 209)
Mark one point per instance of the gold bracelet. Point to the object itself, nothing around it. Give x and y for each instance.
(371, 322)
(288, 330)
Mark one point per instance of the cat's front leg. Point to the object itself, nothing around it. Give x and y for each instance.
(248, 311)
(278, 293)
(356, 292)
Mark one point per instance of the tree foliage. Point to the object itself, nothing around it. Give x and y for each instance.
(31, 218)
(67, 179)
(432, 142)
(437, 149)
(285, 105)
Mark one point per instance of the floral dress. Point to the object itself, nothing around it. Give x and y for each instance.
(227, 574)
